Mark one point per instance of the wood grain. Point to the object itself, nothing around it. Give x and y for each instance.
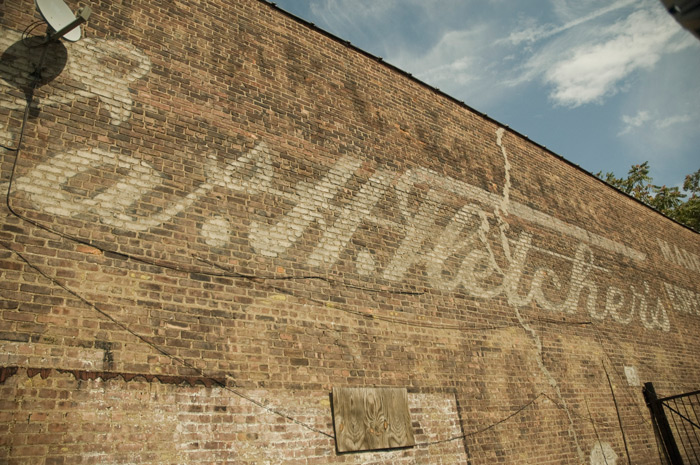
(371, 419)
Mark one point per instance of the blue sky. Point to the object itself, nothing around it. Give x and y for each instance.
(605, 84)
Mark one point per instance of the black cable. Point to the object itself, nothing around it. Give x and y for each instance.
(563, 323)
(491, 426)
(425, 324)
(166, 265)
(28, 30)
(160, 350)
(372, 316)
(235, 274)
(642, 413)
(619, 418)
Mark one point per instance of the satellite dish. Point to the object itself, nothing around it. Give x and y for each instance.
(61, 19)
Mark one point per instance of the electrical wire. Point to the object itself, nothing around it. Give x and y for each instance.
(332, 281)
(161, 264)
(234, 391)
(406, 322)
(172, 266)
(379, 317)
(159, 349)
(487, 428)
(619, 419)
(26, 37)
(644, 415)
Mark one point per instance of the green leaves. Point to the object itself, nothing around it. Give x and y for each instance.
(667, 200)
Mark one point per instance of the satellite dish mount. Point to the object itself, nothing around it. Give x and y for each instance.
(62, 23)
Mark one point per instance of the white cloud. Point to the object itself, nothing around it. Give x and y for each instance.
(633, 122)
(584, 59)
(455, 63)
(451, 61)
(349, 11)
(673, 120)
(644, 119)
(539, 32)
(598, 69)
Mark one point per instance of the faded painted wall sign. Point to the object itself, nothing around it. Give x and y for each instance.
(371, 419)
(458, 234)
(679, 256)
(472, 253)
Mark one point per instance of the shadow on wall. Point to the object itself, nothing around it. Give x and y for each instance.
(31, 59)
(101, 68)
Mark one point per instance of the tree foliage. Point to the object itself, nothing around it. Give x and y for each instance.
(671, 201)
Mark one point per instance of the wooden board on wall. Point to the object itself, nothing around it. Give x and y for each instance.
(371, 419)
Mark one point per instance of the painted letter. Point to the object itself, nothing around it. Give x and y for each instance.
(44, 185)
(272, 240)
(614, 301)
(336, 237)
(417, 228)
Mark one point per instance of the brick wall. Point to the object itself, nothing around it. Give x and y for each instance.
(220, 213)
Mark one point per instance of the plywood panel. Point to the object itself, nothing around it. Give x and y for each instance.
(371, 419)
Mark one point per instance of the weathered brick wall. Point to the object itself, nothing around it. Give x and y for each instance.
(219, 213)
